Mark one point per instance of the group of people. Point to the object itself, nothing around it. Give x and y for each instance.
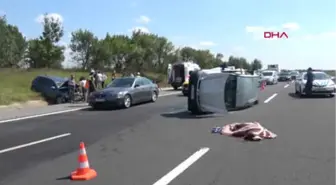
(96, 80)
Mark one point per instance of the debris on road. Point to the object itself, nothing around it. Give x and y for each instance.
(251, 131)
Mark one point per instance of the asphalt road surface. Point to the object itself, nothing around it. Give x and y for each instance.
(160, 144)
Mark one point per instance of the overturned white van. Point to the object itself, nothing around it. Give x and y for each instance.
(219, 91)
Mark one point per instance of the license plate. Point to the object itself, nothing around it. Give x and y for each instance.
(100, 100)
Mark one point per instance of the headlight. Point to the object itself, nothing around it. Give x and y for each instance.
(331, 85)
(121, 94)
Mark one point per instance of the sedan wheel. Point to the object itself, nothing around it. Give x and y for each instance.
(127, 101)
(154, 96)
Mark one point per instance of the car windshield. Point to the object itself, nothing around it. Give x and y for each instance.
(318, 76)
(267, 73)
(121, 82)
(59, 84)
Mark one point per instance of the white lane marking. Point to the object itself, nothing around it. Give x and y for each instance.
(34, 143)
(63, 111)
(181, 167)
(41, 115)
(169, 94)
(286, 85)
(270, 98)
(292, 81)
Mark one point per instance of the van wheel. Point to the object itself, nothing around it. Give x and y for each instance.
(175, 87)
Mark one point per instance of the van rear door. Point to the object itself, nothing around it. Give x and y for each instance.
(212, 93)
(169, 73)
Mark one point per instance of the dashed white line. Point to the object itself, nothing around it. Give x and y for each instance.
(287, 85)
(34, 143)
(181, 167)
(270, 98)
(65, 111)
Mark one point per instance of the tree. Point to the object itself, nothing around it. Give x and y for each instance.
(82, 43)
(143, 52)
(44, 52)
(12, 45)
(256, 64)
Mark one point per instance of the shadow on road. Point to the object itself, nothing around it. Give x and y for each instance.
(112, 108)
(186, 115)
(296, 96)
(64, 178)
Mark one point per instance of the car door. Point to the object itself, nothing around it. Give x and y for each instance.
(49, 88)
(138, 94)
(147, 88)
(212, 93)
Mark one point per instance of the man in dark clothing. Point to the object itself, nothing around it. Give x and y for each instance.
(309, 83)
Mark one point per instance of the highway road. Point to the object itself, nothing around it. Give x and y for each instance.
(160, 144)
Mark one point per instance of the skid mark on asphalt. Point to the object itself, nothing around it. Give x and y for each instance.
(270, 98)
(34, 143)
(181, 167)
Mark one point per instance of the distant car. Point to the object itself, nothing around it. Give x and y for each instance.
(271, 77)
(284, 76)
(294, 74)
(124, 92)
(53, 89)
(322, 84)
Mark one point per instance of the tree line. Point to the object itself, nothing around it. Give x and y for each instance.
(137, 52)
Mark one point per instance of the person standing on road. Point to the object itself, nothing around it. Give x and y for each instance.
(104, 78)
(72, 87)
(84, 90)
(92, 87)
(310, 79)
(98, 80)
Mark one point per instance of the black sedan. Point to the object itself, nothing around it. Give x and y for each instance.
(124, 92)
(284, 76)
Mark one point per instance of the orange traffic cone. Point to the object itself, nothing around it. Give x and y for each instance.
(84, 172)
(262, 87)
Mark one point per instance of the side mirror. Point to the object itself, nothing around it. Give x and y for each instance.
(136, 85)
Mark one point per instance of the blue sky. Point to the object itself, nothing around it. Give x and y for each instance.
(232, 27)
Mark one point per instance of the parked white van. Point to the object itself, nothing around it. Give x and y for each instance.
(178, 73)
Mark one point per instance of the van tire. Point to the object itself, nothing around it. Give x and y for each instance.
(175, 88)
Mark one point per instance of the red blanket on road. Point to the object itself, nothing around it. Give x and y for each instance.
(251, 131)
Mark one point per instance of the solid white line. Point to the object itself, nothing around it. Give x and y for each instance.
(34, 143)
(270, 98)
(286, 86)
(181, 167)
(169, 94)
(64, 111)
(41, 115)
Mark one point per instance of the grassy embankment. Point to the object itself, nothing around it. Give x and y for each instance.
(15, 84)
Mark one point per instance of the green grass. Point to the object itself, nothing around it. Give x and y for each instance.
(15, 84)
